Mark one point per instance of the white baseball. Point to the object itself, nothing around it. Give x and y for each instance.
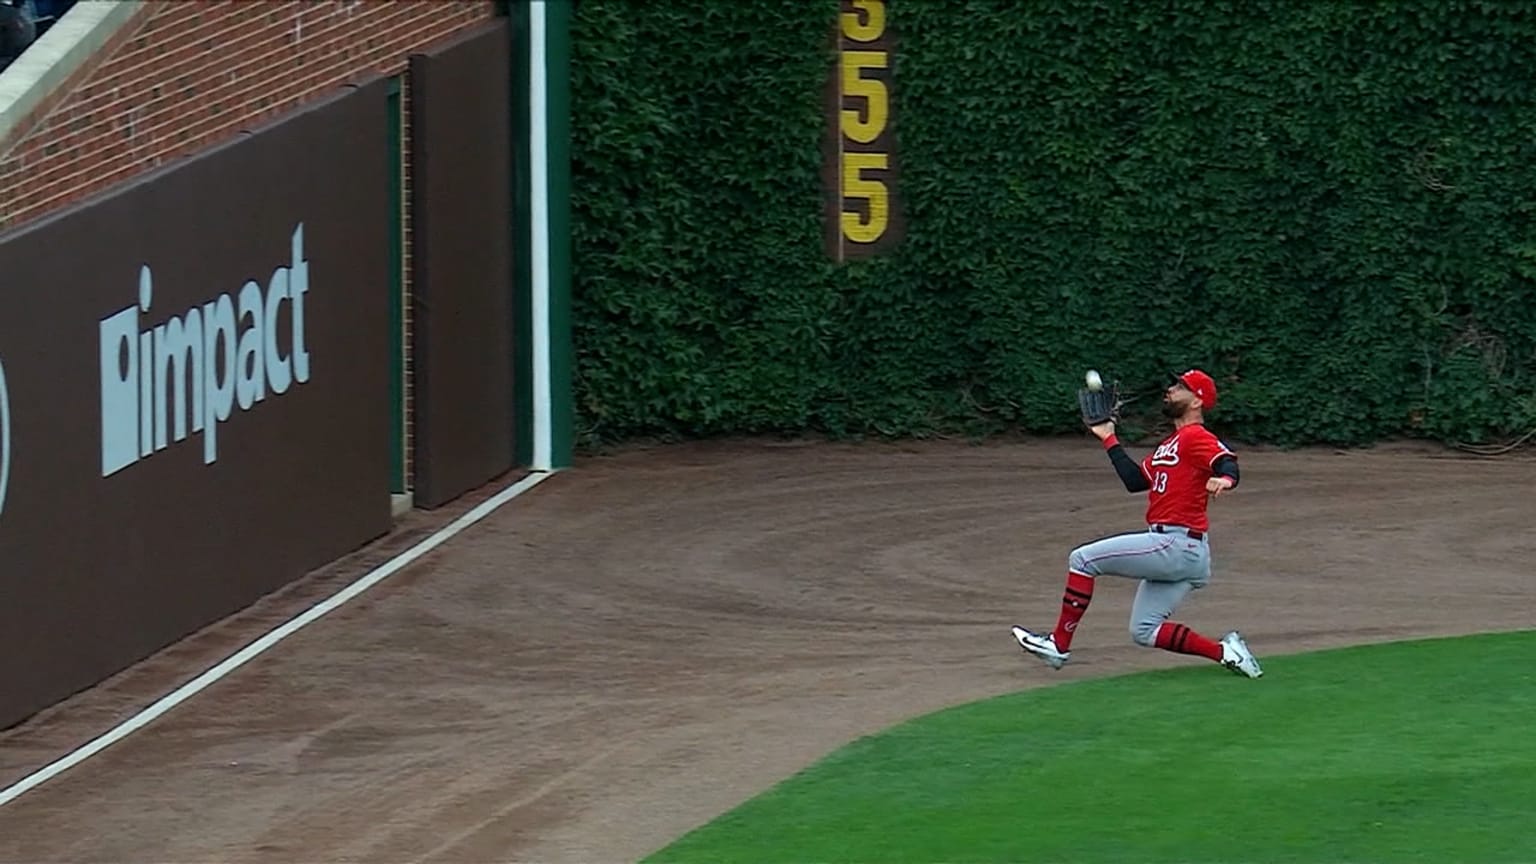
(1094, 381)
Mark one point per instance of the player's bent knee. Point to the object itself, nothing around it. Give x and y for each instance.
(1144, 633)
(1078, 562)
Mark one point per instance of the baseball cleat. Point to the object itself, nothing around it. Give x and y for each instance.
(1043, 647)
(1236, 656)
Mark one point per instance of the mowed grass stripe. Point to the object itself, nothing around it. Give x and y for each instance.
(1404, 752)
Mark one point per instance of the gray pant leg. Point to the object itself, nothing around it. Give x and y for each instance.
(1140, 555)
(1168, 565)
(1154, 603)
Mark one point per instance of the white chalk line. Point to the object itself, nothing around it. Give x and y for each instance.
(238, 659)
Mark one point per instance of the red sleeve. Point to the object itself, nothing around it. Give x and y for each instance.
(1204, 447)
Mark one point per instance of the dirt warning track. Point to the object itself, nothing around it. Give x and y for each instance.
(645, 641)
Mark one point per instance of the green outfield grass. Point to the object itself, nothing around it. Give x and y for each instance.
(1412, 751)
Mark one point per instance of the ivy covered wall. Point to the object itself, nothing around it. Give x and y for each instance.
(1326, 205)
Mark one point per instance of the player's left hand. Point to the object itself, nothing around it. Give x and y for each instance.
(1218, 485)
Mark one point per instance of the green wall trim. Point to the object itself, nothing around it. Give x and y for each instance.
(558, 113)
(522, 241)
(398, 483)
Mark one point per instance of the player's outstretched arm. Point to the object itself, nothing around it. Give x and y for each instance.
(1225, 466)
(1223, 474)
(1131, 475)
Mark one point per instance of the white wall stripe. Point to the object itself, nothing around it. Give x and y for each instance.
(246, 654)
(538, 156)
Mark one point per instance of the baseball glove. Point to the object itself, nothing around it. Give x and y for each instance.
(1100, 406)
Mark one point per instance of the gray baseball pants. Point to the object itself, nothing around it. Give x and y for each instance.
(1169, 565)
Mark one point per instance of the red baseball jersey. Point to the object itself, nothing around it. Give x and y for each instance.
(1178, 470)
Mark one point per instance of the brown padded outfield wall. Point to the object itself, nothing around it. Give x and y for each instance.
(461, 162)
(195, 394)
(185, 75)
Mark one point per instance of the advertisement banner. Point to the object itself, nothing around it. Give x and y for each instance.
(194, 402)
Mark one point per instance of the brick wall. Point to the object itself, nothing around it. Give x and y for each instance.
(187, 74)
(191, 74)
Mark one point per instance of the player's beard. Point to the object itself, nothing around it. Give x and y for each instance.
(1173, 410)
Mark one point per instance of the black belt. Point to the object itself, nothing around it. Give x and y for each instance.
(1165, 529)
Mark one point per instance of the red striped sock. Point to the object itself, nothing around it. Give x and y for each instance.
(1182, 640)
(1074, 602)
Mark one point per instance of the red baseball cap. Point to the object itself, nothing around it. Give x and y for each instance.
(1199, 384)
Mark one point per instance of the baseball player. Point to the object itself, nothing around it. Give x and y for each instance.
(1172, 557)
